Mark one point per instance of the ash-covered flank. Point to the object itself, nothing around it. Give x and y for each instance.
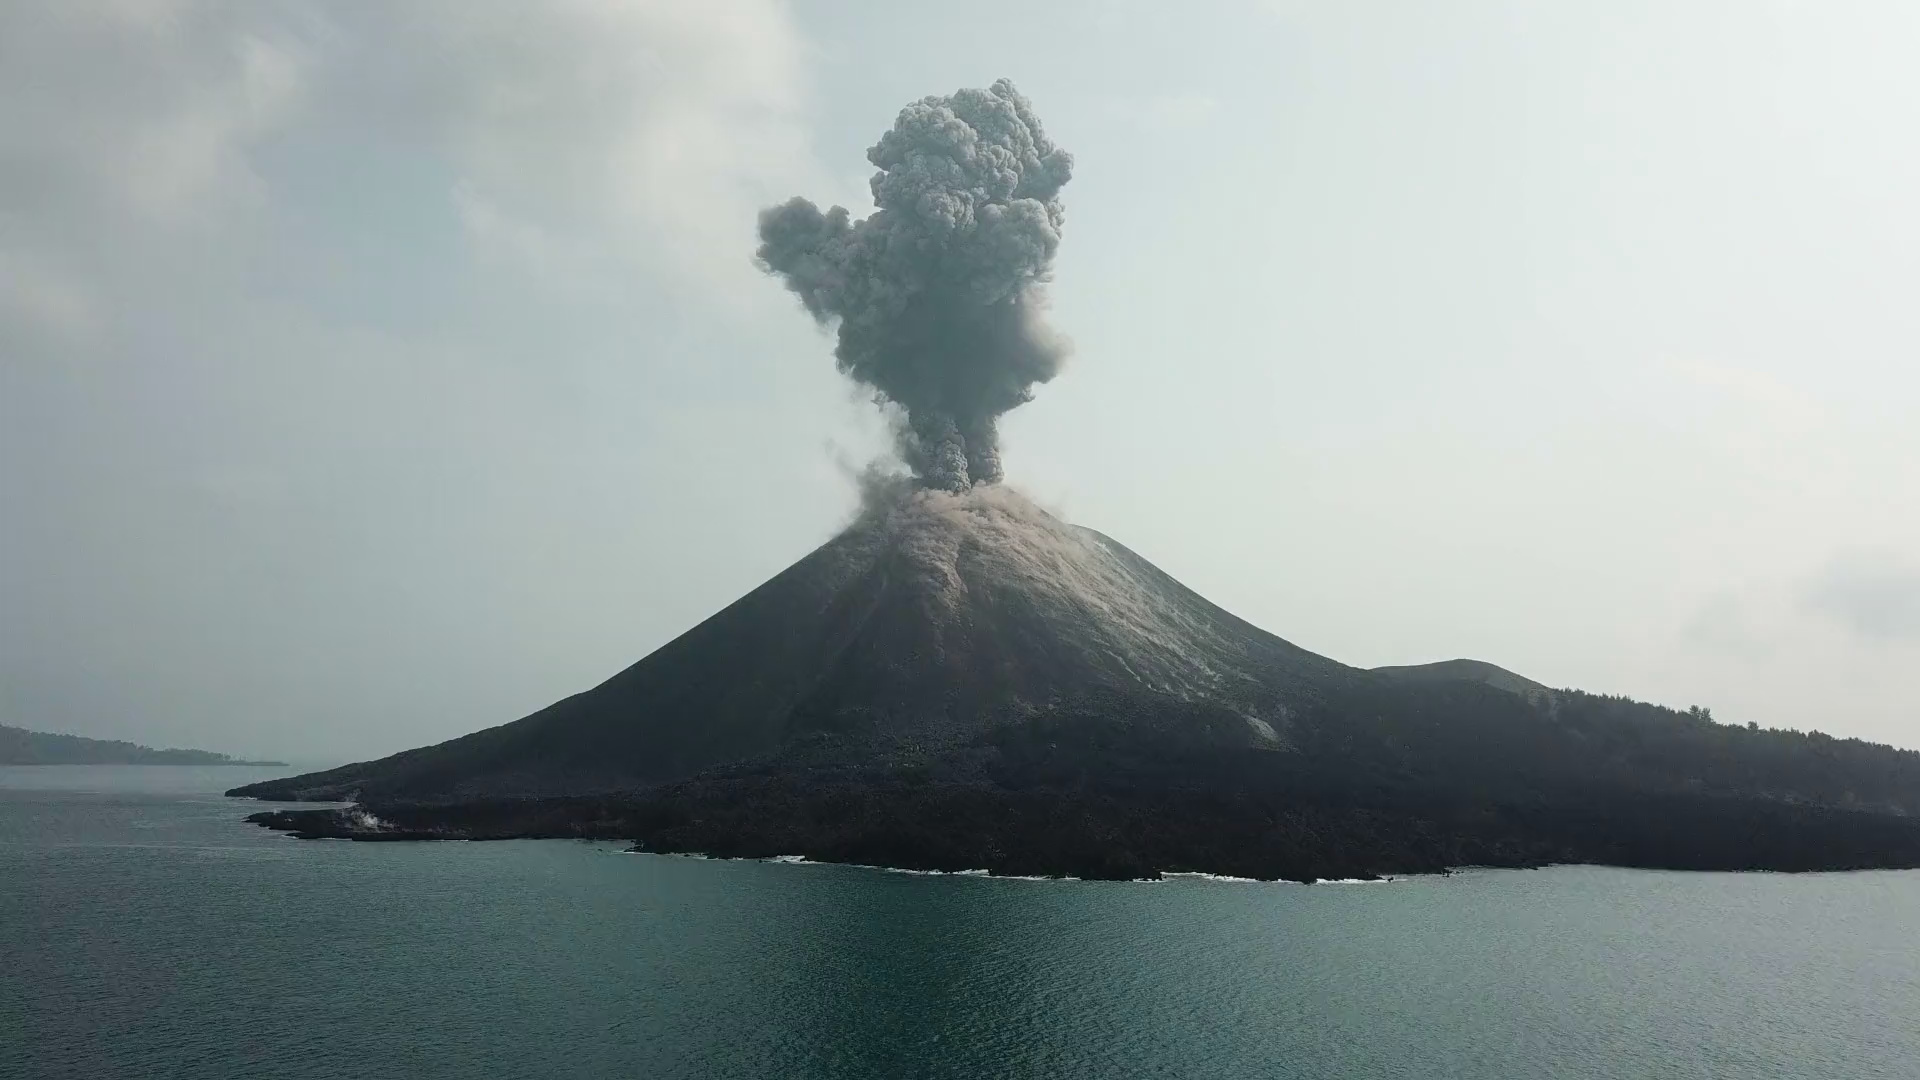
(933, 616)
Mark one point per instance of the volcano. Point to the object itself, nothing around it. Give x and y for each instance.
(960, 680)
(964, 681)
(932, 617)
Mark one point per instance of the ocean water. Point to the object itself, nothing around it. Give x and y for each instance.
(145, 931)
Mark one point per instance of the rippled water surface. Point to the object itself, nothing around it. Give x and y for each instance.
(146, 931)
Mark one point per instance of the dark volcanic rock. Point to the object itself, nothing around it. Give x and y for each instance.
(1118, 789)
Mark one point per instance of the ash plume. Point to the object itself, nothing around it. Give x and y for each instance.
(937, 292)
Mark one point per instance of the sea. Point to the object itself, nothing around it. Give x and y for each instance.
(147, 931)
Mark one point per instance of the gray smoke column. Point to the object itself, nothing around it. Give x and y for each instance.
(937, 292)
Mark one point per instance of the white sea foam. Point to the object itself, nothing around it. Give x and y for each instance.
(1167, 875)
(926, 873)
(802, 860)
(1195, 875)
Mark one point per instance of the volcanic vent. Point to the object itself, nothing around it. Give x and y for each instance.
(933, 616)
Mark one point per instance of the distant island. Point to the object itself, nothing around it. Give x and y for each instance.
(18, 746)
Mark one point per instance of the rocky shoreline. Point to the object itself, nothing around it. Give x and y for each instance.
(1092, 836)
(420, 824)
(1112, 792)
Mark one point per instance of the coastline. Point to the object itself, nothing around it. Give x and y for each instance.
(362, 825)
(1161, 876)
(1089, 836)
(355, 824)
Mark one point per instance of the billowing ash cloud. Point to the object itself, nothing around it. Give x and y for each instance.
(937, 293)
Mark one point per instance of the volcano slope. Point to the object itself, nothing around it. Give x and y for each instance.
(963, 681)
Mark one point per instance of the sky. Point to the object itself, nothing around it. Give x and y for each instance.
(371, 374)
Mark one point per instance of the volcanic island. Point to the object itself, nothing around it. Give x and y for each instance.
(961, 680)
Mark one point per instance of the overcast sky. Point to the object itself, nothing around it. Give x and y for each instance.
(373, 373)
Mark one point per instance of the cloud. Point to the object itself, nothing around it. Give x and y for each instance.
(357, 288)
(937, 294)
(1875, 596)
(125, 139)
(1728, 624)
(1757, 395)
(654, 126)
(237, 484)
(143, 111)
(1178, 112)
(149, 147)
(38, 304)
